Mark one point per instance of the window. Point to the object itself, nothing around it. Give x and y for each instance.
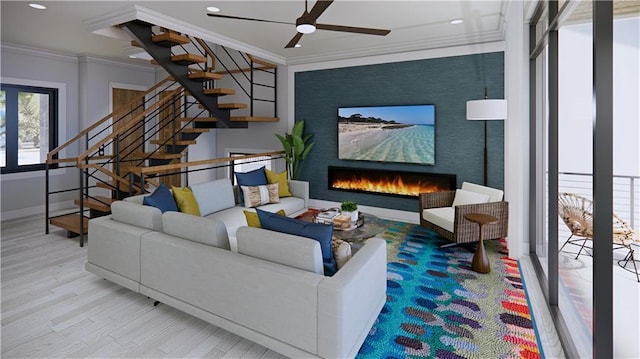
(28, 126)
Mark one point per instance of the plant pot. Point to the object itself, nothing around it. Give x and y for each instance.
(354, 215)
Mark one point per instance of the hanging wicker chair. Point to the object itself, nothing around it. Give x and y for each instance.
(577, 213)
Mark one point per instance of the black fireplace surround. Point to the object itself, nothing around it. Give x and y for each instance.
(388, 182)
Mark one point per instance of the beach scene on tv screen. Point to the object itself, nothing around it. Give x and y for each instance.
(387, 133)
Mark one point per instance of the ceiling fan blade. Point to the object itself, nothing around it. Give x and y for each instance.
(318, 8)
(248, 18)
(358, 30)
(294, 40)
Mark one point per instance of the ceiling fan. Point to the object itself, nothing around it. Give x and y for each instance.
(306, 23)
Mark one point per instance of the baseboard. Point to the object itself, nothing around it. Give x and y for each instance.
(34, 211)
(391, 214)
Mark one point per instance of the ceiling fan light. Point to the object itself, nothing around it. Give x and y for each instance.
(304, 26)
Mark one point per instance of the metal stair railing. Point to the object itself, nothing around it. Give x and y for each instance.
(94, 161)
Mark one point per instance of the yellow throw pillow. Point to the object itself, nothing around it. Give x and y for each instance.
(185, 200)
(254, 221)
(281, 179)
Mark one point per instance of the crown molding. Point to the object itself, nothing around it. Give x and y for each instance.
(88, 58)
(104, 24)
(32, 51)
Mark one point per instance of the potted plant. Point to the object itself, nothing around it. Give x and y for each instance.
(296, 148)
(350, 208)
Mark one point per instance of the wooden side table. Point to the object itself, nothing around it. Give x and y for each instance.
(480, 261)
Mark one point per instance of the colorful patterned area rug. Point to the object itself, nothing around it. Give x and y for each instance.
(437, 307)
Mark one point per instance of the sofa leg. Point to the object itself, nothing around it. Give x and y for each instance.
(155, 304)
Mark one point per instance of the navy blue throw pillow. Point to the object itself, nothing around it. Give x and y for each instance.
(252, 178)
(320, 232)
(162, 199)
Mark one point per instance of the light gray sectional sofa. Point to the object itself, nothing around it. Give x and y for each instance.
(271, 291)
(217, 200)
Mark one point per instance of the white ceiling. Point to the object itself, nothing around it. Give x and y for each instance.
(415, 25)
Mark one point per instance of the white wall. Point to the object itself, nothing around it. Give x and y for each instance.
(23, 193)
(87, 85)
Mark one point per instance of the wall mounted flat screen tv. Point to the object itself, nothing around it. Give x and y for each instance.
(404, 133)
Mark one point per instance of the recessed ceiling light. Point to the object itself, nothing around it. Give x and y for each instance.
(212, 9)
(456, 21)
(132, 57)
(298, 45)
(37, 6)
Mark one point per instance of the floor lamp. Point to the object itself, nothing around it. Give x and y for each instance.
(486, 110)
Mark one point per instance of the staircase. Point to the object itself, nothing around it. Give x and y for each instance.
(157, 128)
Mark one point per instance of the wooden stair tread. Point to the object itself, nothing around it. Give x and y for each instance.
(71, 222)
(198, 119)
(187, 59)
(253, 119)
(232, 105)
(170, 39)
(99, 203)
(157, 155)
(219, 91)
(172, 142)
(194, 130)
(204, 76)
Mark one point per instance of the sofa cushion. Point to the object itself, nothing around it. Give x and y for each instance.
(281, 180)
(252, 178)
(136, 215)
(161, 198)
(495, 195)
(290, 205)
(282, 248)
(213, 196)
(320, 232)
(254, 221)
(441, 216)
(258, 195)
(202, 230)
(466, 197)
(185, 200)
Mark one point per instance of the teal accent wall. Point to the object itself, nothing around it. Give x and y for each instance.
(446, 83)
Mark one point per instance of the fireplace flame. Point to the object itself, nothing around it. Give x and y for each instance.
(392, 186)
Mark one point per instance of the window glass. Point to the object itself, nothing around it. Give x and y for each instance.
(28, 126)
(33, 128)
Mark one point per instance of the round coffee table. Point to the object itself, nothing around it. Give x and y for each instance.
(372, 226)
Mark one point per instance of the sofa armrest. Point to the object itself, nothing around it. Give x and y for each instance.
(300, 189)
(500, 210)
(436, 199)
(350, 301)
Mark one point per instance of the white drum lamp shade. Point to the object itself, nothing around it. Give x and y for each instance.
(487, 109)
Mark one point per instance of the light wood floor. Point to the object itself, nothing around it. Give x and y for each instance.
(52, 307)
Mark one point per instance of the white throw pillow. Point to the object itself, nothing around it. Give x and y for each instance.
(467, 197)
(258, 195)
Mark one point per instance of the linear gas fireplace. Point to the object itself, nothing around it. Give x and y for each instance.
(388, 182)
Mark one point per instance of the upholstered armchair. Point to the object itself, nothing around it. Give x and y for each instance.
(443, 212)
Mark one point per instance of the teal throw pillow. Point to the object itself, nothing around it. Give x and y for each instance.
(320, 232)
(162, 199)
